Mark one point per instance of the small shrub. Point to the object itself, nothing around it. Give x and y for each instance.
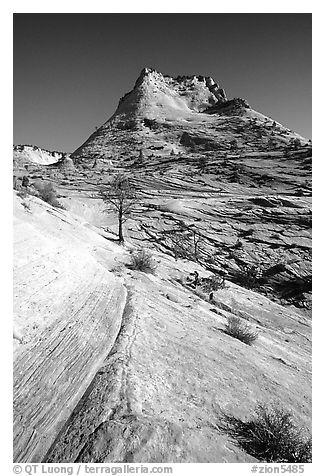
(212, 283)
(46, 191)
(249, 276)
(269, 436)
(179, 250)
(142, 261)
(184, 242)
(238, 329)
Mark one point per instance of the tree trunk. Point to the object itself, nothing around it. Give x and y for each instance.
(120, 227)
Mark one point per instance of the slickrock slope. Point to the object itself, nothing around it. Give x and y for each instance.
(68, 309)
(119, 366)
(112, 365)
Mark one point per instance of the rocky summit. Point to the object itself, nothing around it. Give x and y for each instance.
(113, 364)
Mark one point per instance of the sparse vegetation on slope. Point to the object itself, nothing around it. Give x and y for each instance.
(184, 241)
(212, 283)
(270, 436)
(142, 261)
(249, 276)
(47, 192)
(238, 329)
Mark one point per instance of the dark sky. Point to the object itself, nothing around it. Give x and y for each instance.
(71, 69)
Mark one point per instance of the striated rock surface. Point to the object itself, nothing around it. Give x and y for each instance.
(68, 311)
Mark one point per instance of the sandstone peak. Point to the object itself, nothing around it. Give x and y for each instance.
(158, 94)
(161, 108)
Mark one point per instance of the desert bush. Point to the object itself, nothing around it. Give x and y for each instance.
(212, 283)
(142, 261)
(46, 191)
(249, 276)
(240, 330)
(270, 436)
(184, 242)
(179, 250)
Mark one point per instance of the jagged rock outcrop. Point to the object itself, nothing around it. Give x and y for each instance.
(155, 99)
(231, 107)
(31, 154)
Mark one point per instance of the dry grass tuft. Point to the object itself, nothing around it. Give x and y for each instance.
(142, 261)
(270, 436)
(240, 330)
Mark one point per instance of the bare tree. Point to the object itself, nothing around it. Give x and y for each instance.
(185, 241)
(196, 242)
(122, 197)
